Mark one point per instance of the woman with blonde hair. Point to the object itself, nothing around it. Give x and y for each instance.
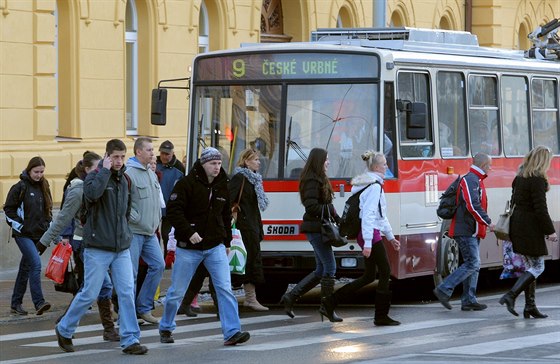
(373, 212)
(530, 225)
(246, 188)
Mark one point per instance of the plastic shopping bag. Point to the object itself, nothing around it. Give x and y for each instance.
(56, 269)
(237, 253)
(514, 265)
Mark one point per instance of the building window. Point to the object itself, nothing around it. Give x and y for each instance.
(131, 39)
(203, 30)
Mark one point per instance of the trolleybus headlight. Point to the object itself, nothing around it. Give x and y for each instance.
(348, 262)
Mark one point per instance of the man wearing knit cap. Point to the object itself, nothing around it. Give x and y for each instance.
(199, 209)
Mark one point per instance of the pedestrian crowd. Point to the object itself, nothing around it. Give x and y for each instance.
(129, 219)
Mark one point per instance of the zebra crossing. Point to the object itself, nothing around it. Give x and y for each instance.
(444, 338)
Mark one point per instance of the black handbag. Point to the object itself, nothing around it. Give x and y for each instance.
(70, 284)
(329, 230)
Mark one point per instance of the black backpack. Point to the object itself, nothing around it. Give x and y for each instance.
(449, 200)
(350, 222)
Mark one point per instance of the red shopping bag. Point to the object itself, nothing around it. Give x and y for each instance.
(58, 262)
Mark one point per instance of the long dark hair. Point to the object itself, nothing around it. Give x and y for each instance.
(44, 184)
(315, 169)
(80, 170)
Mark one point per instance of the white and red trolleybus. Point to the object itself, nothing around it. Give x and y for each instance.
(428, 99)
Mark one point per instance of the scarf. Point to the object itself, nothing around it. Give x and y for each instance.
(256, 180)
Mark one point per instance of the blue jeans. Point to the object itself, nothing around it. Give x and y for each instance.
(147, 247)
(467, 273)
(106, 291)
(325, 264)
(29, 270)
(96, 264)
(216, 262)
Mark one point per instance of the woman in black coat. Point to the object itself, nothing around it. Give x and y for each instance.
(530, 225)
(246, 191)
(28, 210)
(316, 195)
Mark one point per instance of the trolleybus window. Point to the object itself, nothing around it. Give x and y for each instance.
(483, 115)
(452, 121)
(545, 114)
(515, 112)
(415, 87)
(232, 118)
(343, 118)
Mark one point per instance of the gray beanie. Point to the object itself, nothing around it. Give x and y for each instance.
(210, 154)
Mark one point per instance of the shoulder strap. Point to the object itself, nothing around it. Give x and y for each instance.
(241, 190)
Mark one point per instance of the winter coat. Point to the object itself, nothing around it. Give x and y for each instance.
(370, 202)
(25, 209)
(471, 218)
(197, 206)
(72, 203)
(530, 221)
(250, 225)
(145, 203)
(108, 205)
(170, 174)
(315, 205)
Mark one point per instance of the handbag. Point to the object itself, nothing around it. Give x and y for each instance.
(514, 264)
(237, 253)
(59, 262)
(70, 284)
(235, 208)
(329, 230)
(502, 226)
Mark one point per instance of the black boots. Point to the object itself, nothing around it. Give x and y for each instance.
(109, 332)
(290, 298)
(530, 306)
(382, 305)
(327, 300)
(520, 285)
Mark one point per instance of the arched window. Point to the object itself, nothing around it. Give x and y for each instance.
(396, 20)
(344, 20)
(203, 29)
(444, 23)
(522, 40)
(131, 39)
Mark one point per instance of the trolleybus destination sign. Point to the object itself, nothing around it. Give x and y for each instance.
(267, 66)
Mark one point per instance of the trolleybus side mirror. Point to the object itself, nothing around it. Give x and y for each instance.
(416, 120)
(159, 106)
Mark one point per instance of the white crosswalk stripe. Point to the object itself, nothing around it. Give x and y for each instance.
(275, 332)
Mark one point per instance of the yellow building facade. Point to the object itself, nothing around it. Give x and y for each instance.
(75, 73)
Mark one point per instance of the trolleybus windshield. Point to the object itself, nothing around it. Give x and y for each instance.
(336, 108)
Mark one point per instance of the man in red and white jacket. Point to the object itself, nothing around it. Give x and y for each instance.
(468, 226)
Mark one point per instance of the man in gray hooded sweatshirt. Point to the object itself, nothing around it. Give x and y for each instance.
(145, 214)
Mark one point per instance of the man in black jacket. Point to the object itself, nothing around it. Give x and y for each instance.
(199, 209)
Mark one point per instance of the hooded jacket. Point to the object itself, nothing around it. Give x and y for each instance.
(471, 218)
(371, 200)
(108, 205)
(198, 206)
(145, 202)
(25, 209)
(71, 206)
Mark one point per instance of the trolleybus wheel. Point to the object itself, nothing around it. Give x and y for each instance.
(447, 255)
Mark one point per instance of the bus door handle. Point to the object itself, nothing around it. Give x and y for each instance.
(341, 189)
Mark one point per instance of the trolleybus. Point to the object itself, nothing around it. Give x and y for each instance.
(428, 99)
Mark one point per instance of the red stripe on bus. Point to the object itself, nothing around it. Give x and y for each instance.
(412, 175)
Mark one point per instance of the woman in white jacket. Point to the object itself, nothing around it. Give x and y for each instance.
(373, 212)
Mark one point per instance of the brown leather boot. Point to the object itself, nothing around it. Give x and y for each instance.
(109, 331)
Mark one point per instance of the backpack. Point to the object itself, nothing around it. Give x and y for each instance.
(350, 222)
(449, 200)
